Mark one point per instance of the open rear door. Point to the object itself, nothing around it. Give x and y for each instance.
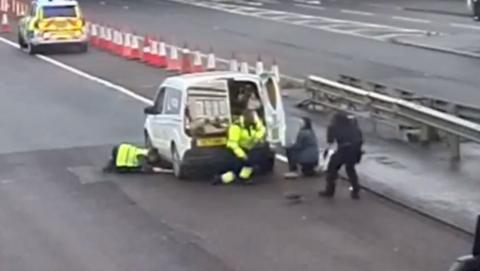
(275, 114)
(476, 242)
(208, 112)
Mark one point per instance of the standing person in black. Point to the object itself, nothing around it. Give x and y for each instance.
(345, 132)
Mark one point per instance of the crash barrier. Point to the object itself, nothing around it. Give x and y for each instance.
(463, 111)
(413, 115)
(155, 52)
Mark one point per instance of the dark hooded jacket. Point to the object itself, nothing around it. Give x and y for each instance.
(306, 145)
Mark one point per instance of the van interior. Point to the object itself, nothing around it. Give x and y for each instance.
(209, 112)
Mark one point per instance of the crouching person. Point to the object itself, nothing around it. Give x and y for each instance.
(244, 134)
(304, 153)
(128, 158)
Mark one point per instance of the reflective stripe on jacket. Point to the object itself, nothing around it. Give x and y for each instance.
(127, 155)
(241, 138)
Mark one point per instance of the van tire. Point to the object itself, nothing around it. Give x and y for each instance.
(31, 49)
(269, 165)
(178, 169)
(148, 144)
(83, 48)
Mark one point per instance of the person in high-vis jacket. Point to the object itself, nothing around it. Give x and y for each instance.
(246, 132)
(128, 158)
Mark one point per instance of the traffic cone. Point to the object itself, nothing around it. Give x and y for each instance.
(135, 47)
(197, 62)
(102, 37)
(211, 62)
(127, 46)
(5, 26)
(162, 55)
(23, 10)
(275, 70)
(94, 38)
(173, 61)
(146, 52)
(259, 69)
(154, 58)
(108, 39)
(187, 66)
(244, 68)
(119, 44)
(234, 63)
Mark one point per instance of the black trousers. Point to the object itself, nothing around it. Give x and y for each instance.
(255, 160)
(347, 157)
(308, 169)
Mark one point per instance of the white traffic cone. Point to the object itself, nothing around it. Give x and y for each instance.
(259, 69)
(234, 63)
(244, 68)
(211, 62)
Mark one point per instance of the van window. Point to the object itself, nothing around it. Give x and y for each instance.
(63, 11)
(173, 101)
(33, 10)
(159, 100)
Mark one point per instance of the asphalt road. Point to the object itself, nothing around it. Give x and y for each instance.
(57, 212)
(301, 48)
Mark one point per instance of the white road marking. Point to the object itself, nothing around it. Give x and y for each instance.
(356, 12)
(467, 26)
(100, 81)
(409, 19)
(309, 7)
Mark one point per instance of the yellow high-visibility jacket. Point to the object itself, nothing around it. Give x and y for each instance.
(241, 138)
(127, 155)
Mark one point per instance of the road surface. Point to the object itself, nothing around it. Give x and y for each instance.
(59, 213)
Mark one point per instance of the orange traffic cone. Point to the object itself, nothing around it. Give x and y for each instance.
(154, 57)
(102, 35)
(162, 54)
(135, 47)
(94, 37)
(259, 69)
(146, 52)
(233, 63)
(244, 68)
(187, 66)
(119, 44)
(5, 26)
(197, 62)
(23, 10)
(127, 46)
(108, 39)
(173, 61)
(275, 70)
(211, 62)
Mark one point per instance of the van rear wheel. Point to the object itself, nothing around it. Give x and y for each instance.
(178, 169)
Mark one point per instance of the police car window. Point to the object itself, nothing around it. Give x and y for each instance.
(63, 11)
(173, 101)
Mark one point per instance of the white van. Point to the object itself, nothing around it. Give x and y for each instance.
(189, 118)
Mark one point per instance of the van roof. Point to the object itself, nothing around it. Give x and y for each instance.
(56, 2)
(187, 80)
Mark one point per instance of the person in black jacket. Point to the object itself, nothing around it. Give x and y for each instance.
(345, 132)
(304, 152)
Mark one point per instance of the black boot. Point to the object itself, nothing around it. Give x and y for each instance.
(329, 191)
(355, 193)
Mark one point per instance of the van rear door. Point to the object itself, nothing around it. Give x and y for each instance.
(274, 110)
(62, 20)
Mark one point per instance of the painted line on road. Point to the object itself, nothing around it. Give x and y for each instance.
(410, 19)
(467, 26)
(98, 80)
(356, 12)
(309, 7)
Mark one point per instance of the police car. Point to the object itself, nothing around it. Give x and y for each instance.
(191, 113)
(52, 22)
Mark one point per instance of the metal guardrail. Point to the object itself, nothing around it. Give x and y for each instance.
(336, 95)
(468, 112)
